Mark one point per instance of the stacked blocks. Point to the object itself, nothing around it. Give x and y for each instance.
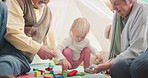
(48, 76)
(49, 73)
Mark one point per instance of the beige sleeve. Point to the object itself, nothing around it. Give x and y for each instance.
(15, 29)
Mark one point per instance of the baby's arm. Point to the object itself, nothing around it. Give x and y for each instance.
(59, 51)
(98, 57)
(60, 47)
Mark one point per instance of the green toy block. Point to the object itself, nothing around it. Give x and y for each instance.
(49, 64)
(35, 69)
(65, 73)
(80, 74)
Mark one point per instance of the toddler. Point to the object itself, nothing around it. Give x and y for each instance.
(76, 49)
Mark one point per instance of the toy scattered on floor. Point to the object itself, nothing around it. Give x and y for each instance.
(48, 76)
(65, 73)
(91, 66)
(49, 73)
(80, 74)
(35, 69)
(57, 76)
(72, 73)
(37, 73)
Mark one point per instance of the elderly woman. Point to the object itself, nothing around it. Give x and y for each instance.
(129, 38)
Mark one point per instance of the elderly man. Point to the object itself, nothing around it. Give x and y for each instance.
(27, 29)
(129, 37)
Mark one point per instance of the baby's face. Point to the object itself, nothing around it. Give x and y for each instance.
(78, 37)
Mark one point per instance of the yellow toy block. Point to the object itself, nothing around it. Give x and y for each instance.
(37, 73)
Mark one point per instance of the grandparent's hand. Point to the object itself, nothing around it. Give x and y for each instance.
(44, 53)
(102, 67)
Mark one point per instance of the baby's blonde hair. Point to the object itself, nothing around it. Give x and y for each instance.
(81, 25)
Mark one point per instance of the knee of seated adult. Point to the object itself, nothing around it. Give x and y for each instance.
(139, 68)
(9, 76)
(112, 70)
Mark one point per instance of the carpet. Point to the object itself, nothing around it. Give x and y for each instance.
(57, 69)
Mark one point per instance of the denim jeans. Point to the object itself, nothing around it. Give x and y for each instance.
(3, 22)
(139, 67)
(121, 69)
(11, 65)
(131, 68)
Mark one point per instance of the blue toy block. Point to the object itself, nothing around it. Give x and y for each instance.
(91, 66)
(51, 72)
(57, 76)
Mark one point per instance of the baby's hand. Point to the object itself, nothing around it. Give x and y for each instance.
(99, 58)
(66, 63)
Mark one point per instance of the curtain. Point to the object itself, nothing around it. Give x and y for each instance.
(66, 11)
(97, 13)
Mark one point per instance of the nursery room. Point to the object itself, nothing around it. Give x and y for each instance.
(73, 38)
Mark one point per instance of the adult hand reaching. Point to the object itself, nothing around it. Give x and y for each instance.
(44, 53)
(102, 67)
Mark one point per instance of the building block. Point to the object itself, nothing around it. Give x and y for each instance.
(48, 76)
(80, 74)
(72, 73)
(49, 64)
(37, 73)
(52, 72)
(91, 66)
(57, 76)
(41, 71)
(48, 68)
(46, 72)
(65, 73)
(35, 69)
(60, 74)
(52, 66)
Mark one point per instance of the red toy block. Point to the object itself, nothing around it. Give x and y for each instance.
(72, 73)
(48, 77)
(60, 74)
(48, 68)
(41, 71)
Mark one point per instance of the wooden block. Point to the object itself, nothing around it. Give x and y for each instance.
(48, 76)
(65, 73)
(37, 73)
(72, 73)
